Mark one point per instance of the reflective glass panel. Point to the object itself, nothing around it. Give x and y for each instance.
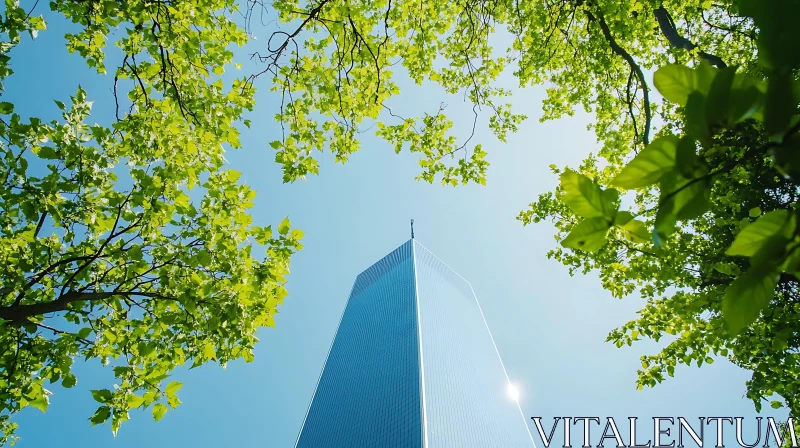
(369, 391)
(467, 401)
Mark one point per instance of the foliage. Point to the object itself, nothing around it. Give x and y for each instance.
(336, 64)
(694, 170)
(334, 68)
(717, 190)
(130, 243)
(710, 162)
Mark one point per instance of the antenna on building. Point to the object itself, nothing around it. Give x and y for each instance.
(412, 229)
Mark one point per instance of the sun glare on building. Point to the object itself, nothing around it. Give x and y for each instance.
(513, 392)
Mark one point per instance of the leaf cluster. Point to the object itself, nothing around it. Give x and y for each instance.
(129, 243)
(716, 192)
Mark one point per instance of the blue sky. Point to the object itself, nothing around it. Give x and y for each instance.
(549, 328)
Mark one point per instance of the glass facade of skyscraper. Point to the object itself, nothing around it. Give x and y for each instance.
(413, 364)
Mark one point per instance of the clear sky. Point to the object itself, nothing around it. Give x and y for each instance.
(549, 328)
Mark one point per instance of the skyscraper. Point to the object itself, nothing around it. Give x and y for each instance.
(413, 364)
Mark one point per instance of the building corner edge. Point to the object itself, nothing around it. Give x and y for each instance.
(324, 364)
(423, 413)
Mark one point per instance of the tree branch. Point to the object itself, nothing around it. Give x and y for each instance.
(669, 30)
(60, 332)
(634, 66)
(23, 312)
(40, 224)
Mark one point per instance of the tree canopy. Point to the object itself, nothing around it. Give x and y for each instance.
(714, 248)
(706, 168)
(131, 243)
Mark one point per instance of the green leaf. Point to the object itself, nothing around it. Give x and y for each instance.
(40, 402)
(681, 199)
(584, 197)
(173, 401)
(283, 227)
(263, 234)
(746, 297)
(705, 73)
(172, 388)
(719, 96)
(204, 258)
(686, 156)
(664, 225)
(780, 104)
(687, 198)
(693, 201)
(118, 418)
(145, 348)
(135, 253)
(772, 253)
(792, 263)
(209, 352)
(69, 380)
(727, 268)
(753, 290)
(29, 209)
(101, 415)
(745, 103)
(753, 237)
(46, 152)
(159, 410)
(134, 401)
(633, 229)
(6, 108)
(778, 32)
(610, 199)
(101, 395)
(694, 114)
(675, 82)
(588, 235)
(745, 98)
(649, 165)
(787, 157)
(779, 344)
(776, 404)
(622, 218)
(754, 212)
(231, 176)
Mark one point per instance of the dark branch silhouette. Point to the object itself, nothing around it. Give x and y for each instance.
(667, 26)
(617, 49)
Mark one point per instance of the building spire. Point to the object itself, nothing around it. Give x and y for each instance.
(412, 229)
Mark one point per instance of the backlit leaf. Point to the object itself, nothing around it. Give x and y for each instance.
(753, 237)
(746, 297)
(585, 197)
(649, 165)
(159, 410)
(588, 235)
(283, 227)
(675, 82)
